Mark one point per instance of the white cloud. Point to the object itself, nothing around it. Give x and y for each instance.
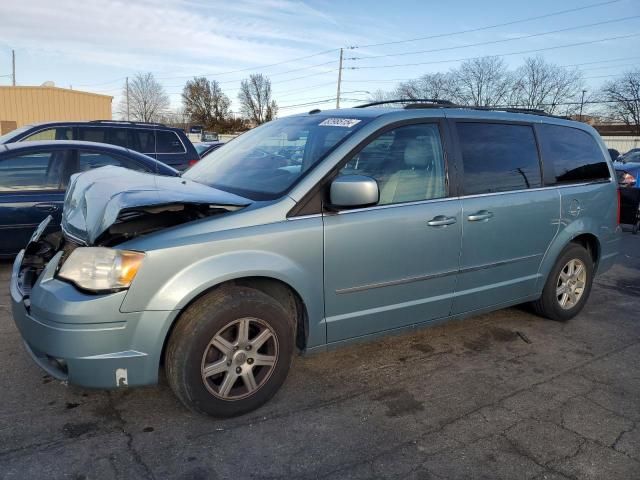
(153, 35)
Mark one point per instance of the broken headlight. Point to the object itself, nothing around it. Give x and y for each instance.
(101, 269)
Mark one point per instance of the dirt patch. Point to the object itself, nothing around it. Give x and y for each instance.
(400, 402)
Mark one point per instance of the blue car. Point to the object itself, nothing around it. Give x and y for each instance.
(628, 171)
(35, 175)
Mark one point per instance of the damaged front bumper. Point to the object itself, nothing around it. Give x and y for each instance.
(85, 339)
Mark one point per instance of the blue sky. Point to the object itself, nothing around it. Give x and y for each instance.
(92, 45)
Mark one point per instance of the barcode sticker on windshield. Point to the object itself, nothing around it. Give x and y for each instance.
(339, 122)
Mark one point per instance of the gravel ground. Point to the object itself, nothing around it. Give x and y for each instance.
(503, 395)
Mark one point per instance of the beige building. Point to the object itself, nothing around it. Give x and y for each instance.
(24, 105)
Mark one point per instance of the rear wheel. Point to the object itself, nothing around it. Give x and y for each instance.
(230, 352)
(568, 285)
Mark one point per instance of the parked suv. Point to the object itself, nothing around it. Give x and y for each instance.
(167, 144)
(389, 219)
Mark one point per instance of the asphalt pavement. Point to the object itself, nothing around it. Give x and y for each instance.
(502, 395)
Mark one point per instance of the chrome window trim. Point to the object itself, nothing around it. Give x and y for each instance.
(391, 205)
(550, 187)
(184, 147)
(25, 139)
(462, 197)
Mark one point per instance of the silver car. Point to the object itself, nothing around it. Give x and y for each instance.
(309, 232)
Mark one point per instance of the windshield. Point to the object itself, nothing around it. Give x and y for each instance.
(266, 162)
(8, 137)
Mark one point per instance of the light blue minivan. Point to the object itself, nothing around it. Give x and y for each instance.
(309, 232)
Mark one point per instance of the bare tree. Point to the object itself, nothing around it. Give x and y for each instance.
(436, 86)
(623, 99)
(205, 103)
(380, 96)
(483, 82)
(255, 99)
(147, 100)
(542, 85)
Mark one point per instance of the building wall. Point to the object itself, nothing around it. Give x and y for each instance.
(25, 105)
(621, 143)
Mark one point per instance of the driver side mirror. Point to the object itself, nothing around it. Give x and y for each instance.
(352, 191)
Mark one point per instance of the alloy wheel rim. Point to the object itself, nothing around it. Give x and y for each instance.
(239, 359)
(571, 284)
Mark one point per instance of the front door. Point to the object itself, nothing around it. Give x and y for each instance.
(394, 264)
(508, 221)
(30, 190)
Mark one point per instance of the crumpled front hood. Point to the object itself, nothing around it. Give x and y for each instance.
(95, 199)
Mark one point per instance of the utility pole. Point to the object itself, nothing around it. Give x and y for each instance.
(339, 81)
(127, 99)
(582, 103)
(13, 67)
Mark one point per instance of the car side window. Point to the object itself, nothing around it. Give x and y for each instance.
(571, 156)
(168, 142)
(32, 171)
(498, 157)
(88, 160)
(118, 136)
(143, 141)
(58, 133)
(407, 162)
(92, 134)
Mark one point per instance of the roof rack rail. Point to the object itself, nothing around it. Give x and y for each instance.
(436, 103)
(418, 101)
(126, 122)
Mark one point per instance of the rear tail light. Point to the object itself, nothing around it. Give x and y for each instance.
(627, 180)
(193, 162)
(619, 205)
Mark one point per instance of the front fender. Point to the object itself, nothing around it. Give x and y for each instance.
(290, 252)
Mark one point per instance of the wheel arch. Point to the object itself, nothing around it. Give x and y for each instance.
(279, 290)
(572, 234)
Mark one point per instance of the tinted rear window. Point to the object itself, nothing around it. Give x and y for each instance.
(498, 157)
(92, 134)
(168, 142)
(143, 141)
(570, 156)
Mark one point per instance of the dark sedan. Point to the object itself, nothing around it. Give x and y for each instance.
(34, 176)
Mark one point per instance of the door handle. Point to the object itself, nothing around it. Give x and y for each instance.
(480, 216)
(47, 207)
(441, 221)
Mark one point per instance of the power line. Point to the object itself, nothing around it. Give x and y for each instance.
(488, 27)
(305, 88)
(492, 42)
(324, 52)
(317, 54)
(513, 22)
(496, 55)
(601, 61)
(308, 104)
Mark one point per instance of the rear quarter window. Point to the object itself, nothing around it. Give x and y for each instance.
(168, 142)
(498, 157)
(570, 156)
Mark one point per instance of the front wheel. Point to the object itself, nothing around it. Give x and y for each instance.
(568, 285)
(230, 351)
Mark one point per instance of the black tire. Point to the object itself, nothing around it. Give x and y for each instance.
(197, 326)
(548, 305)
